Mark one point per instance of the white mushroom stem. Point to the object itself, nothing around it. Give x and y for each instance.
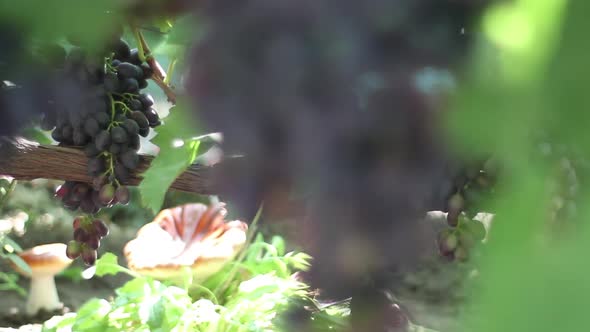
(42, 295)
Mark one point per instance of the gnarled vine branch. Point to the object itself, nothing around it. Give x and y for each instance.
(26, 160)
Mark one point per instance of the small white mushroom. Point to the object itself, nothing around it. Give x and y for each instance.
(190, 236)
(45, 262)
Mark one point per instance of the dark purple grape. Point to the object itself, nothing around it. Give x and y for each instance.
(122, 173)
(56, 134)
(91, 127)
(130, 159)
(90, 150)
(102, 140)
(146, 100)
(73, 249)
(77, 222)
(111, 82)
(134, 57)
(106, 194)
(116, 148)
(142, 83)
(121, 50)
(80, 138)
(100, 228)
(99, 181)
(103, 119)
(140, 119)
(93, 242)
(122, 195)
(96, 166)
(153, 117)
(135, 104)
(118, 135)
(81, 235)
(144, 132)
(134, 142)
(89, 256)
(87, 205)
(147, 70)
(130, 126)
(62, 191)
(130, 85)
(129, 70)
(115, 62)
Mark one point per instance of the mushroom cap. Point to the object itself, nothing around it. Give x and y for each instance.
(45, 260)
(191, 236)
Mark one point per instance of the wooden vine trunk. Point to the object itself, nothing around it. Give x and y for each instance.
(26, 160)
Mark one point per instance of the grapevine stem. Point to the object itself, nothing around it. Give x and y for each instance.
(112, 101)
(170, 70)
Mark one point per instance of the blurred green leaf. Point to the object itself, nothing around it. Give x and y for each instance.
(107, 264)
(177, 152)
(20, 263)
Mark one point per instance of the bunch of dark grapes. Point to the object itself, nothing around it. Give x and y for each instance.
(472, 188)
(106, 117)
(87, 236)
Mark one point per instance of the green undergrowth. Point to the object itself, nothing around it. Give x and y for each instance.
(248, 294)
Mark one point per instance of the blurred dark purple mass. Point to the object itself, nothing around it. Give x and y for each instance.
(326, 101)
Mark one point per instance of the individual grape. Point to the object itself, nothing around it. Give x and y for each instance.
(477, 229)
(131, 127)
(147, 70)
(461, 254)
(90, 150)
(118, 135)
(134, 142)
(121, 50)
(93, 242)
(79, 137)
(121, 172)
(106, 194)
(71, 205)
(111, 82)
(96, 166)
(130, 159)
(466, 239)
(77, 222)
(115, 62)
(91, 127)
(73, 249)
(140, 119)
(87, 205)
(135, 104)
(130, 85)
(129, 70)
(102, 140)
(62, 191)
(89, 255)
(122, 195)
(134, 57)
(146, 100)
(100, 228)
(116, 148)
(99, 181)
(81, 235)
(56, 134)
(103, 119)
(142, 83)
(80, 189)
(153, 117)
(144, 132)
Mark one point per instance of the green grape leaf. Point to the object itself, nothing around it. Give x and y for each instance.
(91, 316)
(8, 241)
(107, 264)
(177, 152)
(37, 135)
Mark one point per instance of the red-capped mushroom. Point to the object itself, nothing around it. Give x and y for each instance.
(189, 236)
(45, 262)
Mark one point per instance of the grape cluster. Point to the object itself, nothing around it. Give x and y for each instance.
(472, 187)
(87, 236)
(455, 243)
(106, 118)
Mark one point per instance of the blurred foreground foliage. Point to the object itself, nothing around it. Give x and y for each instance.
(524, 100)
